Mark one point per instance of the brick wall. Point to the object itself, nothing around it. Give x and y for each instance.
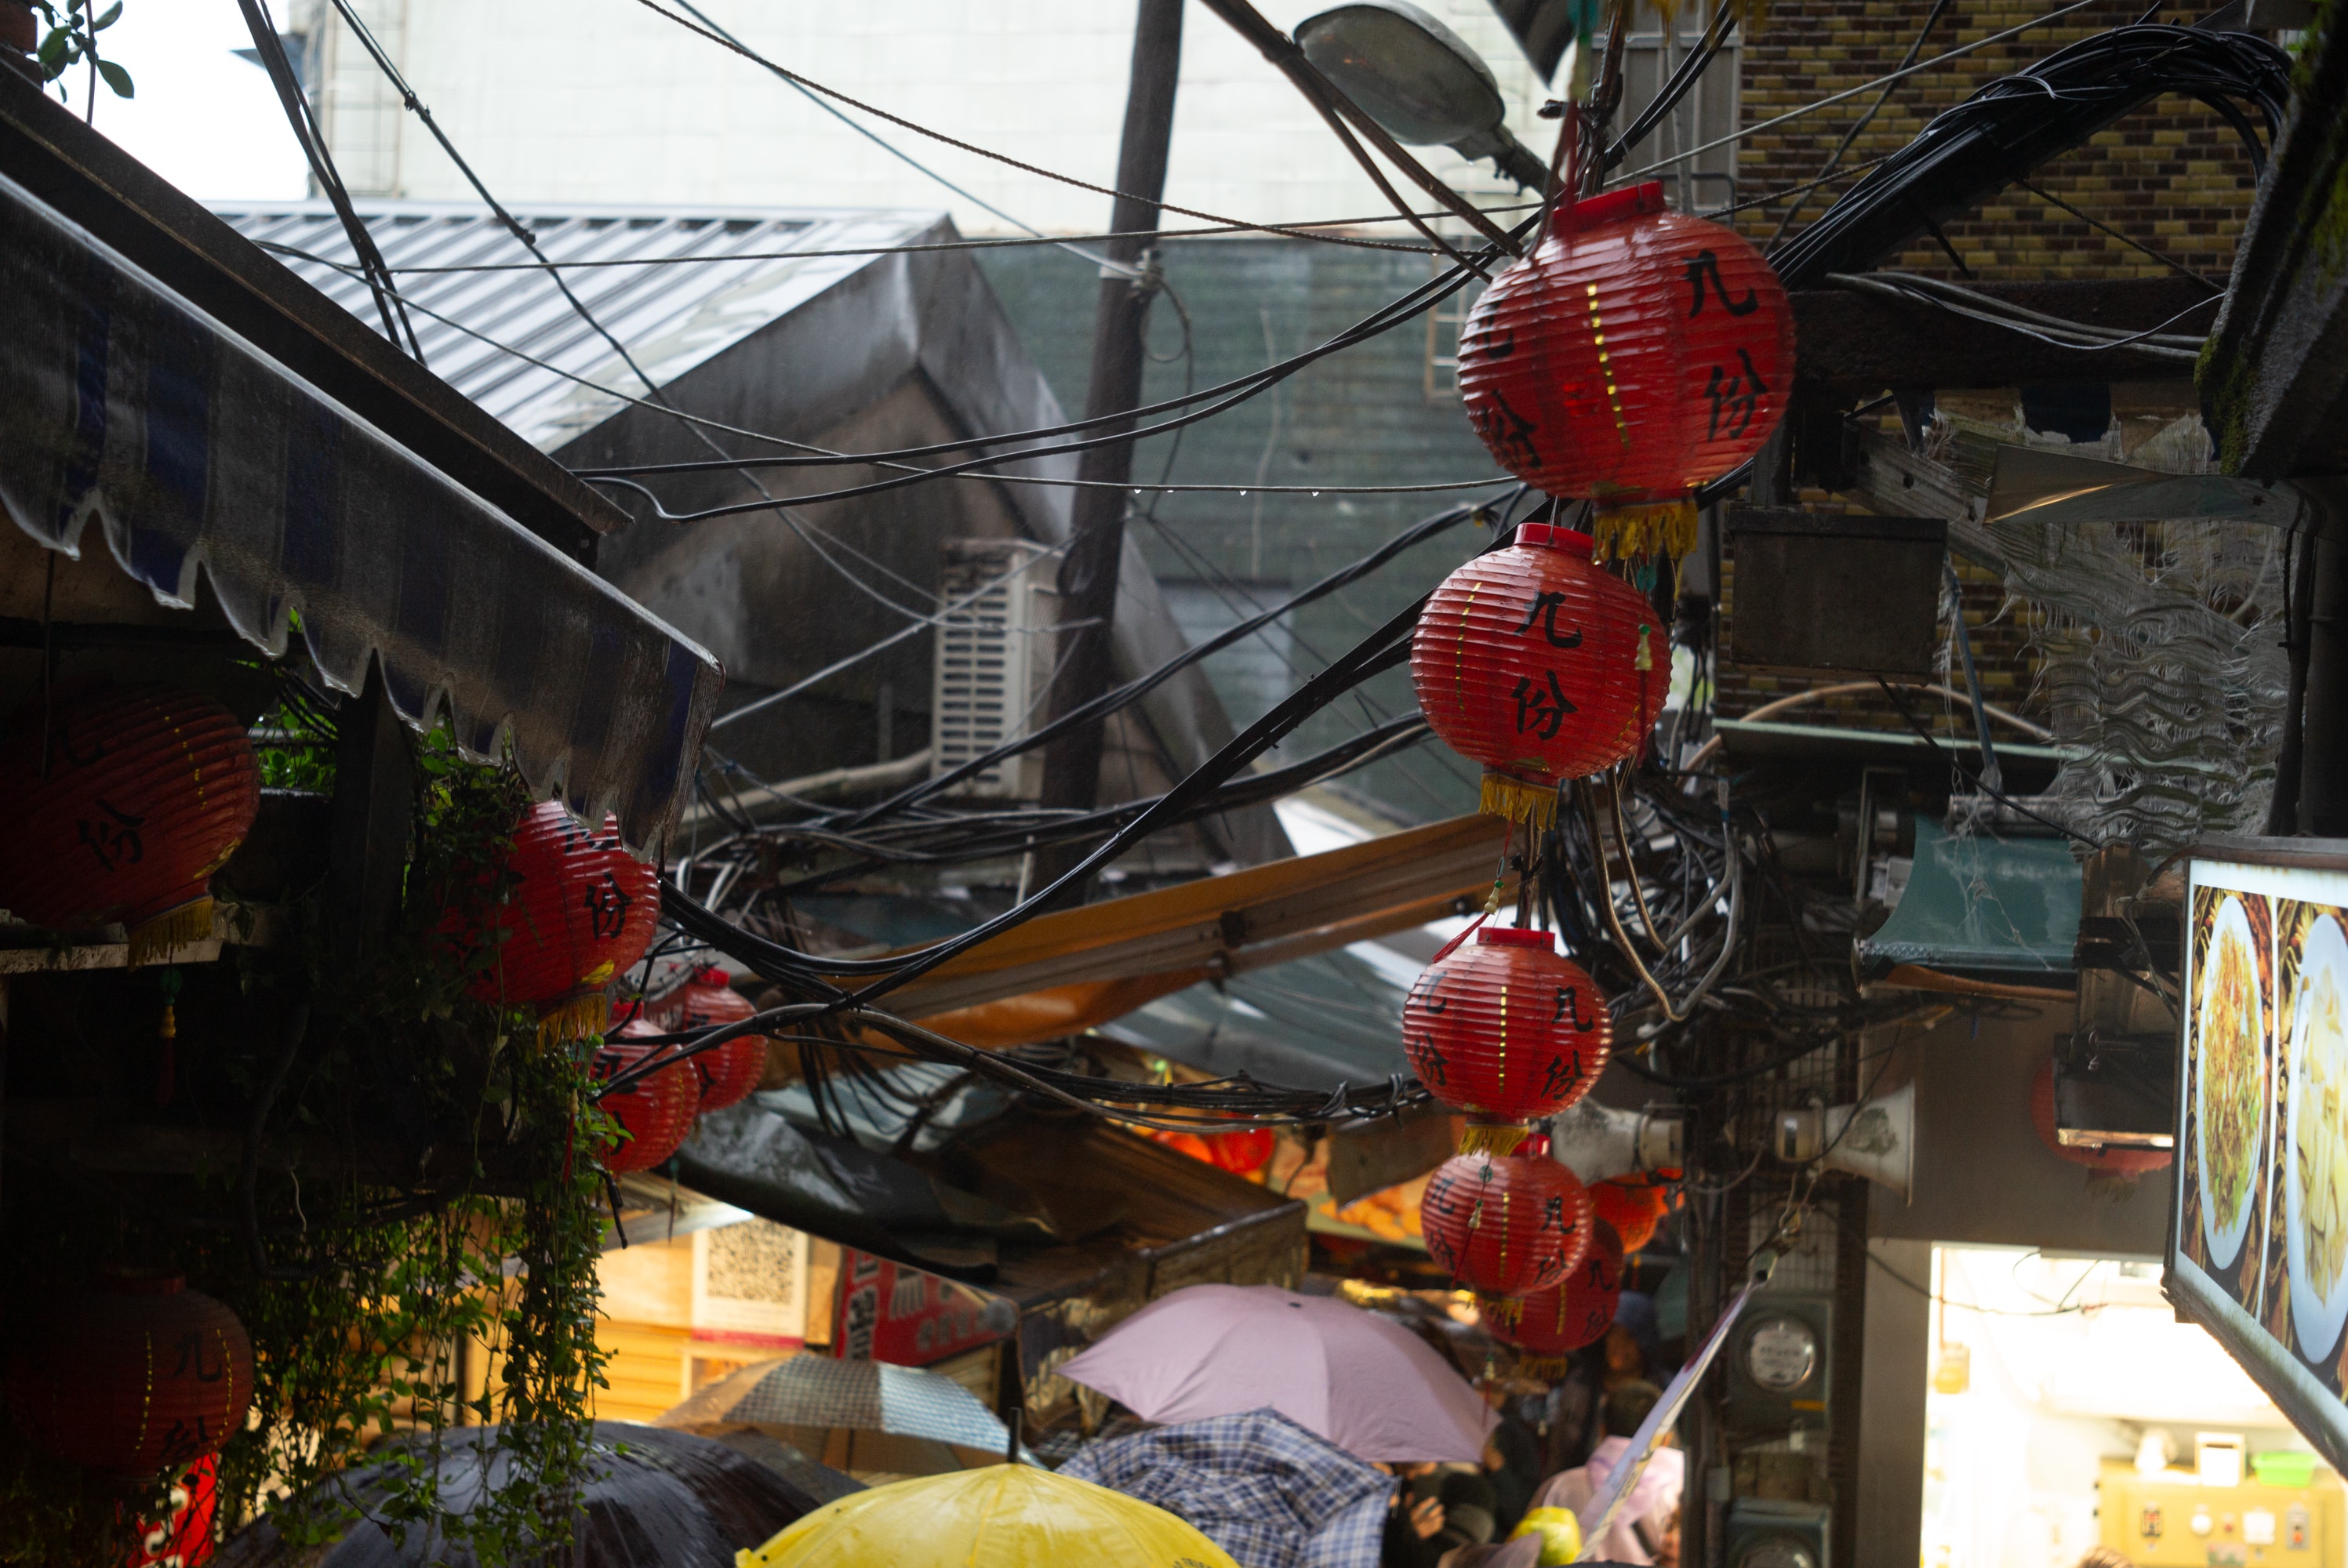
(2172, 176)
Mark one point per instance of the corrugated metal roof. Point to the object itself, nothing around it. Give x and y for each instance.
(671, 316)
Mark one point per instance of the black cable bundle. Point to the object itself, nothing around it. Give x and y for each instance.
(2016, 123)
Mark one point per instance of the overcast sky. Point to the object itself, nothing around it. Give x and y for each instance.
(205, 120)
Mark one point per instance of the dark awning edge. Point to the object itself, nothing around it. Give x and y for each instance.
(193, 448)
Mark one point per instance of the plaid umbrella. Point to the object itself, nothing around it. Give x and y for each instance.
(817, 1392)
(1263, 1488)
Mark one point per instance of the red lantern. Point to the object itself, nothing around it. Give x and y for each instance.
(1239, 1152)
(1243, 1151)
(184, 1536)
(656, 1111)
(1536, 663)
(728, 1074)
(2115, 1161)
(149, 791)
(1636, 353)
(1505, 1029)
(1506, 1225)
(582, 909)
(1560, 1320)
(131, 1376)
(1633, 1208)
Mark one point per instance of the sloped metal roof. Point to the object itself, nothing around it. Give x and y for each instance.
(672, 316)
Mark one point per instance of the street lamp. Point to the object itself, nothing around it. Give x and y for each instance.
(1419, 81)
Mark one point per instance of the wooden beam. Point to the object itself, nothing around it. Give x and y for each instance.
(1863, 343)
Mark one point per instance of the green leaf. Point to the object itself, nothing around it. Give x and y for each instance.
(117, 78)
(113, 15)
(53, 50)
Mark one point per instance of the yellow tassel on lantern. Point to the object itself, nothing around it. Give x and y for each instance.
(1544, 1368)
(154, 941)
(1492, 1137)
(1532, 805)
(1505, 1310)
(1658, 527)
(575, 1017)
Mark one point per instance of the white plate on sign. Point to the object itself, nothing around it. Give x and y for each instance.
(2316, 1319)
(2224, 1232)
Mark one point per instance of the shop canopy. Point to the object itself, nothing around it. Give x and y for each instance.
(128, 404)
(1062, 973)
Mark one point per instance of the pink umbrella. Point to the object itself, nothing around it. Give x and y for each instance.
(1371, 1387)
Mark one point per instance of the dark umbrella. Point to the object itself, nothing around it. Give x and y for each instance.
(654, 1499)
(1258, 1485)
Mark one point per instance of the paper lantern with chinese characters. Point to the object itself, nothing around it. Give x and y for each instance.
(133, 1375)
(1634, 1208)
(581, 909)
(727, 1073)
(656, 1111)
(1559, 1320)
(182, 1537)
(2113, 1165)
(1541, 666)
(1506, 1225)
(149, 791)
(1507, 1030)
(1635, 355)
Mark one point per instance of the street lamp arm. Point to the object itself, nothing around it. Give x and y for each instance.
(1282, 52)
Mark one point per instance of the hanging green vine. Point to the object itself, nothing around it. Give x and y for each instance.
(451, 1284)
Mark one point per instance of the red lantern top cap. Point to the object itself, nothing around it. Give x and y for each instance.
(713, 976)
(1613, 207)
(1515, 936)
(122, 1280)
(1551, 536)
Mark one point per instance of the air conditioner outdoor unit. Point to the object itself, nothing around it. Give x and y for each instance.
(994, 656)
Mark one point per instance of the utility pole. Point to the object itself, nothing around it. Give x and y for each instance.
(1088, 576)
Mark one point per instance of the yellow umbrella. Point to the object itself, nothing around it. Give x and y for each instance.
(1004, 1516)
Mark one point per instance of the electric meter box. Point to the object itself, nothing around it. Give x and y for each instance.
(2172, 1520)
(1780, 1366)
(1767, 1534)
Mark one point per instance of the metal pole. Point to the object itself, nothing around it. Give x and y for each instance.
(1088, 576)
(2323, 721)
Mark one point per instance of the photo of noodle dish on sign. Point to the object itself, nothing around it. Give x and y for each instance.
(2230, 1093)
(2315, 1142)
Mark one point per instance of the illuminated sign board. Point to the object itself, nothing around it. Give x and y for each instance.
(2258, 1237)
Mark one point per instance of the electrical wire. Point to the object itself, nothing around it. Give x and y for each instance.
(2053, 329)
(807, 84)
(1848, 92)
(2169, 261)
(1301, 230)
(882, 459)
(1834, 159)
